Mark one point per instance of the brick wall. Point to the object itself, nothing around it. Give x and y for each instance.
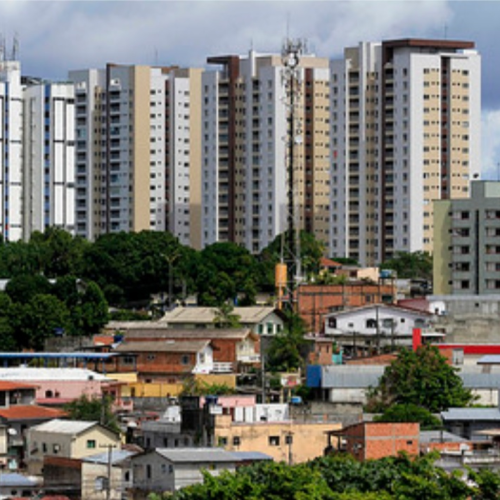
(315, 301)
(373, 440)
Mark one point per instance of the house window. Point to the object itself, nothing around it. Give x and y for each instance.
(274, 440)
(151, 357)
(149, 473)
(170, 468)
(56, 448)
(332, 322)
(236, 440)
(90, 443)
(48, 394)
(128, 360)
(222, 441)
(371, 323)
(44, 447)
(101, 483)
(163, 468)
(184, 359)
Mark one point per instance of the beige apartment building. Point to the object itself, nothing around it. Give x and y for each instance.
(247, 149)
(405, 118)
(137, 150)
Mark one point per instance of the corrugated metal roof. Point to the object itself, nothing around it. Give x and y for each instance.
(196, 454)
(440, 436)
(65, 426)
(190, 334)
(491, 414)
(162, 346)
(251, 455)
(40, 374)
(351, 376)
(12, 479)
(493, 359)
(247, 315)
(117, 456)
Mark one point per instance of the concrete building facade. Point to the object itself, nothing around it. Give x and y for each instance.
(405, 118)
(246, 149)
(48, 156)
(137, 150)
(467, 242)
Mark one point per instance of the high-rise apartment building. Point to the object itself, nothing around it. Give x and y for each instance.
(467, 242)
(137, 156)
(405, 117)
(11, 149)
(246, 149)
(48, 156)
(36, 153)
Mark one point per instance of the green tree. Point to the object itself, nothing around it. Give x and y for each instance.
(90, 313)
(311, 251)
(226, 272)
(410, 265)
(285, 351)
(93, 409)
(25, 286)
(40, 318)
(225, 317)
(423, 378)
(410, 413)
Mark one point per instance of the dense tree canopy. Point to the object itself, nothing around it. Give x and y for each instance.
(342, 478)
(410, 265)
(423, 378)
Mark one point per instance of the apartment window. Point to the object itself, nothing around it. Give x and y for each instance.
(91, 444)
(236, 441)
(222, 441)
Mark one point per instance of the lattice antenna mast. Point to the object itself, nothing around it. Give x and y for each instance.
(291, 53)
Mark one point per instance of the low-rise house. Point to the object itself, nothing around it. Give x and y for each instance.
(166, 469)
(72, 439)
(285, 440)
(233, 348)
(17, 414)
(58, 386)
(169, 361)
(443, 442)
(105, 475)
(13, 484)
(375, 325)
(261, 320)
(314, 302)
(470, 422)
(374, 440)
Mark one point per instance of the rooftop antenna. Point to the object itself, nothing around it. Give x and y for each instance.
(2, 48)
(15, 48)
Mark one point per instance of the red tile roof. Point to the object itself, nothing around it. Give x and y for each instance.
(30, 412)
(7, 385)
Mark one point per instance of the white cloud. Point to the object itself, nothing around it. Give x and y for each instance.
(69, 35)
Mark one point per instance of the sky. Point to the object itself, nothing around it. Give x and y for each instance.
(58, 36)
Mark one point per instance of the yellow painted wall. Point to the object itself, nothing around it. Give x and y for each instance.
(308, 439)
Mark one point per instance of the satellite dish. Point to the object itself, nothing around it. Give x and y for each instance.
(11, 431)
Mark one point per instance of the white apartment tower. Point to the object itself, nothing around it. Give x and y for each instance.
(49, 157)
(405, 118)
(245, 148)
(11, 146)
(36, 152)
(134, 157)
